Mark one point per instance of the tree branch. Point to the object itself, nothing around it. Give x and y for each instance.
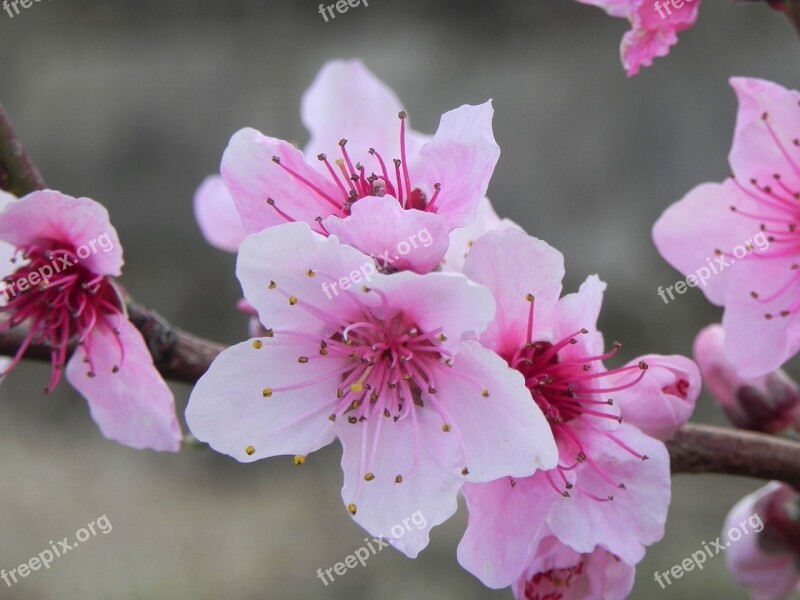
(707, 449)
(18, 174)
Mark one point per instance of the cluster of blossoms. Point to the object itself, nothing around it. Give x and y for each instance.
(458, 367)
(446, 363)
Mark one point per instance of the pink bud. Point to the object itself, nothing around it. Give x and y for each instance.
(770, 403)
(763, 541)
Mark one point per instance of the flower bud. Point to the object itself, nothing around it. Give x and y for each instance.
(766, 558)
(769, 404)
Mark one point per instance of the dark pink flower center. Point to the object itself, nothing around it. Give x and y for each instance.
(552, 584)
(62, 301)
(569, 387)
(353, 183)
(780, 204)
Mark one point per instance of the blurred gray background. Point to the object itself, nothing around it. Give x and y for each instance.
(132, 103)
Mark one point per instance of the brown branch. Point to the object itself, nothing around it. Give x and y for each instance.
(18, 174)
(706, 449)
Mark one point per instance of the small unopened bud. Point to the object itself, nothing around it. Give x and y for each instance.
(769, 404)
(763, 541)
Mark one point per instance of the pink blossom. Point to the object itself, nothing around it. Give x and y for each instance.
(654, 27)
(766, 560)
(364, 165)
(389, 365)
(557, 572)
(769, 403)
(747, 226)
(64, 292)
(611, 487)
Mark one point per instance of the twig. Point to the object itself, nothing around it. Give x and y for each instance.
(706, 449)
(18, 174)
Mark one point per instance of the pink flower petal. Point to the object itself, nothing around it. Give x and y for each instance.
(766, 127)
(217, 216)
(234, 409)
(514, 265)
(691, 231)
(132, 406)
(504, 521)
(641, 506)
(462, 239)
(581, 310)
(519, 441)
(7, 251)
(285, 256)
(426, 494)
(47, 216)
(252, 177)
(754, 343)
(653, 32)
(347, 101)
(400, 239)
(461, 157)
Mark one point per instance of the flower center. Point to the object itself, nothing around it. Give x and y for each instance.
(62, 301)
(353, 183)
(568, 387)
(551, 585)
(386, 369)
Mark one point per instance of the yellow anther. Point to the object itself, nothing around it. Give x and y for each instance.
(299, 460)
(267, 392)
(250, 451)
(257, 344)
